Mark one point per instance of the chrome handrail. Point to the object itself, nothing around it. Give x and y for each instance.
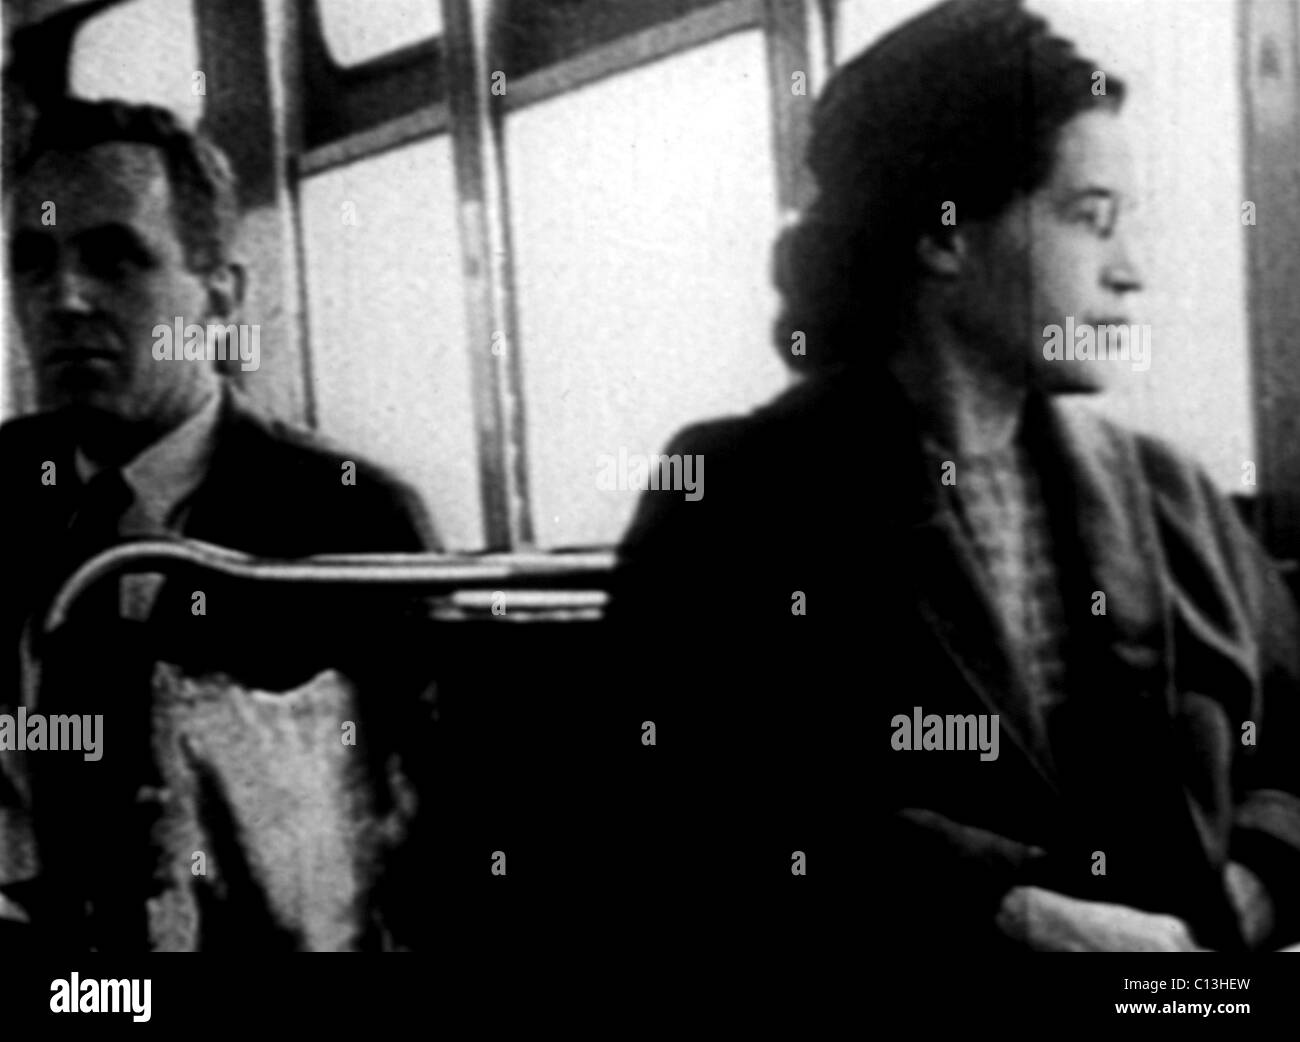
(426, 570)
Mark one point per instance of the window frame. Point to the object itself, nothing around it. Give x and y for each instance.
(476, 121)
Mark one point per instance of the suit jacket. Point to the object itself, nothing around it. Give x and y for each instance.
(826, 495)
(270, 490)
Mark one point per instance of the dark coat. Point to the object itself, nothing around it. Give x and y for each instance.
(826, 491)
(271, 491)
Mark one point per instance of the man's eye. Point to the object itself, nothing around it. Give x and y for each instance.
(112, 254)
(30, 258)
(110, 263)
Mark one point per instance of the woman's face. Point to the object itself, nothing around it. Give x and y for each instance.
(1059, 258)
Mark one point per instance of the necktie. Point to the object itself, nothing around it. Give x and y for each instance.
(89, 667)
(95, 527)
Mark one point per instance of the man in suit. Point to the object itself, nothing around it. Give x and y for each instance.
(123, 226)
(1070, 673)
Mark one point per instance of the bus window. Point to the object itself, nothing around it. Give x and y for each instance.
(644, 208)
(143, 50)
(389, 355)
(357, 31)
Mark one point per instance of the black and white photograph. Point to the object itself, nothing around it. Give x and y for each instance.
(810, 482)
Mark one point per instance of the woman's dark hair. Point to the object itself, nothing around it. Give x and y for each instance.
(962, 104)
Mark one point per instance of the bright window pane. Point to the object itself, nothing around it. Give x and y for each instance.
(387, 313)
(644, 211)
(359, 30)
(144, 51)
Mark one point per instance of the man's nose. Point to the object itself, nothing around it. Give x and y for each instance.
(71, 290)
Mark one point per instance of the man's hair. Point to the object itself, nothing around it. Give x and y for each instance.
(205, 205)
(960, 105)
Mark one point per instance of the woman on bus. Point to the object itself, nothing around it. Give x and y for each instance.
(926, 506)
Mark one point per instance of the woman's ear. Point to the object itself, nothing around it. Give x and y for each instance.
(942, 253)
(226, 290)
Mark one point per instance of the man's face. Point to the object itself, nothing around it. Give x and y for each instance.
(90, 287)
(1062, 252)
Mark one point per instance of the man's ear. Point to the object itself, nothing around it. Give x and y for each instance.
(942, 253)
(226, 284)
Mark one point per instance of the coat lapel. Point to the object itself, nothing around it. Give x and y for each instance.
(953, 600)
(223, 509)
(1120, 743)
(952, 587)
(1105, 532)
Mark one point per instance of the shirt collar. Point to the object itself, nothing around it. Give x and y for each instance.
(165, 474)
